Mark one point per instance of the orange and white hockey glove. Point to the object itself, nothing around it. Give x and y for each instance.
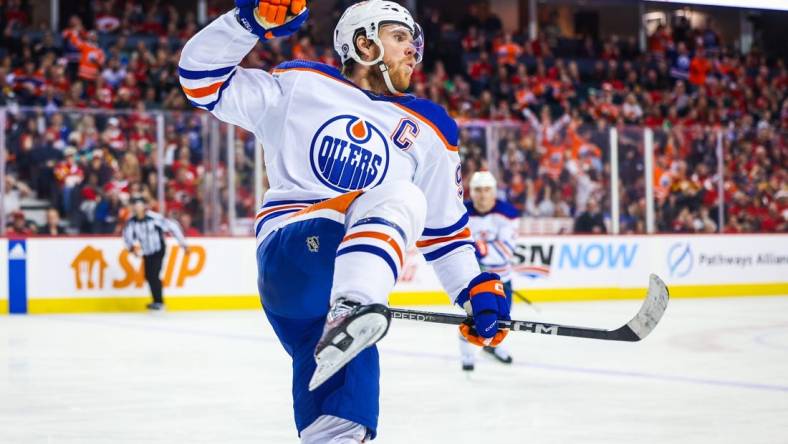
(268, 19)
(485, 302)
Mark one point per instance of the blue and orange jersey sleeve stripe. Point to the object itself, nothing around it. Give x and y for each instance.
(464, 234)
(438, 242)
(203, 88)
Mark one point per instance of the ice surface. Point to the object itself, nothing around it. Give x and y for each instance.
(713, 371)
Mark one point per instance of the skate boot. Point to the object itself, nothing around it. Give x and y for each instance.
(499, 354)
(350, 328)
(467, 354)
(155, 306)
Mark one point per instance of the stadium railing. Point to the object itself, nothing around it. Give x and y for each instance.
(550, 177)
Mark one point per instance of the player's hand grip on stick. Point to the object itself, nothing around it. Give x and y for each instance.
(268, 19)
(485, 302)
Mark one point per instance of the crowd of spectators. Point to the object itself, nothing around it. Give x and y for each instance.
(559, 97)
(554, 100)
(81, 125)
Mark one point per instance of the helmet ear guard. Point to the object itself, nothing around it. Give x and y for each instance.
(374, 38)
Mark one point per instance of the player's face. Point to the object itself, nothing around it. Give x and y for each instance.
(399, 54)
(483, 198)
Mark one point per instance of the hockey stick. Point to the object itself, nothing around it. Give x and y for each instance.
(638, 328)
(521, 297)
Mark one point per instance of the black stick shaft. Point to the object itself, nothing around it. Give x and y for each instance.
(622, 334)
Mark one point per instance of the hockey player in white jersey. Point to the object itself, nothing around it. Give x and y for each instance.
(493, 226)
(359, 173)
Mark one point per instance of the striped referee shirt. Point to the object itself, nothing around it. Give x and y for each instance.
(149, 232)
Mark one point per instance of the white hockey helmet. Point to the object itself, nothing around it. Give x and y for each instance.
(368, 16)
(482, 179)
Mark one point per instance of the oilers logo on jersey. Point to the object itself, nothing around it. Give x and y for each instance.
(348, 153)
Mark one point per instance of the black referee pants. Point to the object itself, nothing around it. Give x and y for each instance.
(152, 270)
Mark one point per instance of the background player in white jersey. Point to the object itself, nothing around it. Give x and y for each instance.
(359, 172)
(493, 226)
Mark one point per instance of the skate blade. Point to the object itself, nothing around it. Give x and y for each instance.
(365, 331)
(503, 359)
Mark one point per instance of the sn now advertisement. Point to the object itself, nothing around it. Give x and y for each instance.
(535, 259)
(566, 261)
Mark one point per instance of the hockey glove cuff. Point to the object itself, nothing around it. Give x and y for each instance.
(268, 19)
(485, 302)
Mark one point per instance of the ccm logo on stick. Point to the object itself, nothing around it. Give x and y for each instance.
(536, 328)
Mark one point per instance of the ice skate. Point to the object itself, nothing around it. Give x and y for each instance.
(467, 355)
(155, 306)
(350, 328)
(499, 354)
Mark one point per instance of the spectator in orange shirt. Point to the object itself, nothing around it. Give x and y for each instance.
(91, 56)
(699, 67)
(508, 51)
(553, 161)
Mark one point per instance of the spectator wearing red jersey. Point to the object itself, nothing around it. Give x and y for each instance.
(187, 226)
(128, 93)
(184, 185)
(114, 136)
(18, 225)
(481, 70)
(69, 175)
(106, 20)
(660, 41)
(472, 42)
(104, 96)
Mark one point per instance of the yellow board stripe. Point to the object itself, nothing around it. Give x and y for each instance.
(714, 291)
(181, 303)
(3, 307)
(132, 304)
(601, 294)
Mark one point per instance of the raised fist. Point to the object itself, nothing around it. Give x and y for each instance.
(268, 19)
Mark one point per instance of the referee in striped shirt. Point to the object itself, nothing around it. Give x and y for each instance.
(144, 235)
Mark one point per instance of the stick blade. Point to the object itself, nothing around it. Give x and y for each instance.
(652, 310)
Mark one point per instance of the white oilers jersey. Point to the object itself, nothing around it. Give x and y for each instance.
(323, 136)
(495, 233)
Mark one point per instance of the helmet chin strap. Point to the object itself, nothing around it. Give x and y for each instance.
(386, 78)
(380, 64)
